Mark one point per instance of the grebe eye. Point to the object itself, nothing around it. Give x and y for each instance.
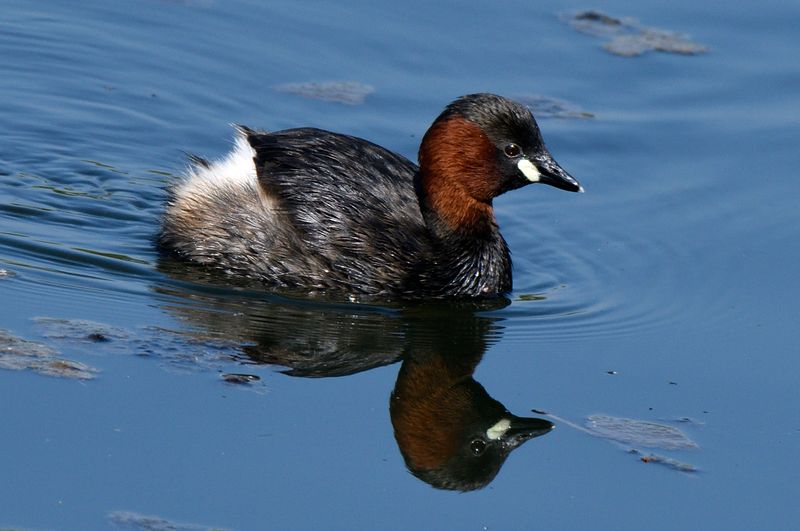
(512, 150)
(477, 446)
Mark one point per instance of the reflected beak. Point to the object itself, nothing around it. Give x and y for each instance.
(544, 169)
(525, 428)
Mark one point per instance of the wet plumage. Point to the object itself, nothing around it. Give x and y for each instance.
(324, 212)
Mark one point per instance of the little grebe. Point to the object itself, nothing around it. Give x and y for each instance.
(324, 212)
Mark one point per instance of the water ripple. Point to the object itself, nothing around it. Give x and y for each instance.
(574, 284)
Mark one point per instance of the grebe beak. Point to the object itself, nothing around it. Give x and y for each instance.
(511, 430)
(555, 175)
(524, 428)
(546, 170)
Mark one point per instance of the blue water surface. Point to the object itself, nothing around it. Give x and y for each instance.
(668, 292)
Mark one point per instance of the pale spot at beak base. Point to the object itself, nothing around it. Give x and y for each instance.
(498, 430)
(529, 170)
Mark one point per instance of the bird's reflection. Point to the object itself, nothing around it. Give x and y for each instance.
(450, 432)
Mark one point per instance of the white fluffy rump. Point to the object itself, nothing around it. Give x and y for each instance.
(235, 170)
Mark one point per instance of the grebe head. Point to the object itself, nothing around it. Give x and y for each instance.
(481, 146)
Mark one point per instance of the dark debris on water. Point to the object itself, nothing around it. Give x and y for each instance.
(639, 432)
(547, 107)
(629, 38)
(347, 92)
(662, 460)
(240, 379)
(635, 432)
(20, 354)
(176, 351)
(141, 522)
(79, 330)
(184, 352)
